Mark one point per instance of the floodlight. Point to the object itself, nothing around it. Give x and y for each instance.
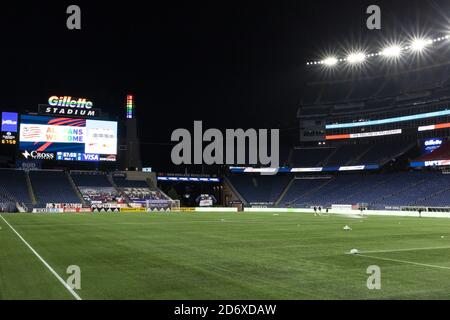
(356, 57)
(393, 51)
(420, 44)
(331, 61)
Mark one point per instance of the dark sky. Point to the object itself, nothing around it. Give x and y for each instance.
(229, 63)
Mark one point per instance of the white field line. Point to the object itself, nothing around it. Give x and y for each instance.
(74, 294)
(406, 262)
(407, 249)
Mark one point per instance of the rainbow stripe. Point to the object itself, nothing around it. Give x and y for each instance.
(130, 107)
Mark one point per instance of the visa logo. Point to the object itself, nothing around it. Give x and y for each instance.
(91, 157)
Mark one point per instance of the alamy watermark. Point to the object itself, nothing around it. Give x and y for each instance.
(374, 20)
(230, 148)
(74, 280)
(74, 20)
(374, 280)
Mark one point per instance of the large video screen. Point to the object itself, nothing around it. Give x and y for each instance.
(67, 139)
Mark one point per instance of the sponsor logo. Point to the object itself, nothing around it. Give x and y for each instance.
(108, 158)
(8, 138)
(433, 142)
(90, 157)
(36, 155)
(69, 102)
(9, 121)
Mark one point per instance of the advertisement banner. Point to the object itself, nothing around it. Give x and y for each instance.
(133, 209)
(9, 121)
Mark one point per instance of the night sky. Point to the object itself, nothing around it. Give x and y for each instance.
(229, 63)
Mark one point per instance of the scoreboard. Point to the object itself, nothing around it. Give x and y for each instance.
(67, 139)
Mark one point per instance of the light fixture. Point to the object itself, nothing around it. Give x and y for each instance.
(331, 61)
(420, 44)
(393, 51)
(357, 57)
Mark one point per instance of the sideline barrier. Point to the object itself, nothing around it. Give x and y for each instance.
(48, 210)
(275, 210)
(125, 210)
(213, 209)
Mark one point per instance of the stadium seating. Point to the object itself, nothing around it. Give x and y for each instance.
(310, 157)
(141, 195)
(52, 187)
(442, 153)
(376, 190)
(381, 153)
(350, 154)
(90, 179)
(420, 190)
(345, 154)
(260, 189)
(138, 191)
(299, 189)
(124, 183)
(13, 185)
(96, 188)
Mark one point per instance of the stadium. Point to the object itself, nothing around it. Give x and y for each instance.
(358, 207)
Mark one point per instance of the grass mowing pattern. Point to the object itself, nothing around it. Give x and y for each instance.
(223, 256)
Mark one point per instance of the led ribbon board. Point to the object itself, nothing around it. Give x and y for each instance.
(434, 127)
(363, 135)
(188, 179)
(304, 170)
(389, 120)
(434, 163)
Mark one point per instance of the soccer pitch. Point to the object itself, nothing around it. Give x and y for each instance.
(223, 256)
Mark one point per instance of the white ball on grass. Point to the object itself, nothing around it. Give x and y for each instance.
(354, 251)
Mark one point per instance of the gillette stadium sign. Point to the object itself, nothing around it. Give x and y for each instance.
(69, 107)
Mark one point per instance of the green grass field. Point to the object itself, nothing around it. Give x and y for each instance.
(224, 256)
